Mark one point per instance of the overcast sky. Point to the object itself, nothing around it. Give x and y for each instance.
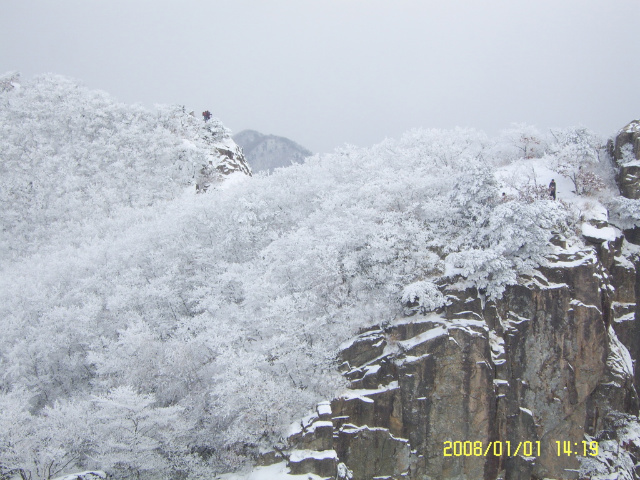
(329, 72)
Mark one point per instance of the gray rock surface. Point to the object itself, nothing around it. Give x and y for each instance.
(627, 155)
(225, 158)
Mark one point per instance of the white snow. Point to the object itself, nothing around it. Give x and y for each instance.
(363, 393)
(629, 317)
(278, 471)
(296, 427)
(324, 408)
(353, 429)
(412, 359)
(423, 337)
(371, 369)
(89, 475)
(631, 163)
(587, 259)
(299, 455)
(469, 323)
(119, 254)
(360, 338)
(578, 303)
(606, 234)
(428, 318)
(624, 262)
(233, 179)
(619, 359)
(516, 319)
(497, 348)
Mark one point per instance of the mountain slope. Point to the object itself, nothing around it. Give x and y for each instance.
(212, 321)
(70, 154)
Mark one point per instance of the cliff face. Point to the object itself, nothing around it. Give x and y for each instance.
(513, 389)
(626, 153)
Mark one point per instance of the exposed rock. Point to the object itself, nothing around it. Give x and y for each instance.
(492, 390)
(372, 452)
(628, 135)
(501, 381)
(364, 348)
(225, 158)
(324, 464)
(446, 383)
(627, 156)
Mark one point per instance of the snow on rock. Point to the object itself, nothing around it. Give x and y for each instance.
(299, 455)
(599, 235)
(91, 475)
(278, 471)
(301, 425)
(619, 360)
(363, 394)
(324, 409)
(408, 345)
(497, 346)
(322, 463)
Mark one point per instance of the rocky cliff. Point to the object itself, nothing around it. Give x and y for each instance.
(539, 384)
(626, 153)
(224, 158)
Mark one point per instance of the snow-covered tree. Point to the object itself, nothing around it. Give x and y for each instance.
(134, 438)
(41, 446)
(624, 212)
(577, 151)
(188, 329)
(421, 297)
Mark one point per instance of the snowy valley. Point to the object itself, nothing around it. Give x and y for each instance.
(165, 314)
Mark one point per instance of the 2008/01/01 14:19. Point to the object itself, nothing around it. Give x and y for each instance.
(527, 449)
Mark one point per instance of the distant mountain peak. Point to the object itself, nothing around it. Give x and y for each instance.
(267, 152)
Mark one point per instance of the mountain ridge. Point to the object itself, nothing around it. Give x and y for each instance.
(268, 152)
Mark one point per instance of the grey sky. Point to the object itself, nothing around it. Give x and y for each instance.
(329, 72)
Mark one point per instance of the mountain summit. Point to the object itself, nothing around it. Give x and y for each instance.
(267, 152)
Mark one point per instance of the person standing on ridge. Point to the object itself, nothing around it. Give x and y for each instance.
(207, 115)
(552, 189)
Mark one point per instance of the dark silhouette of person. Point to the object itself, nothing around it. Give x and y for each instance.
(207, 115)
(552, 189)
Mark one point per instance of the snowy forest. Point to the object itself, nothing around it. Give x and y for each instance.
(154, 332)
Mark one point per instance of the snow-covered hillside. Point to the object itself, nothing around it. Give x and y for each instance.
(210, 321)
(268, 152)
(71, 155)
